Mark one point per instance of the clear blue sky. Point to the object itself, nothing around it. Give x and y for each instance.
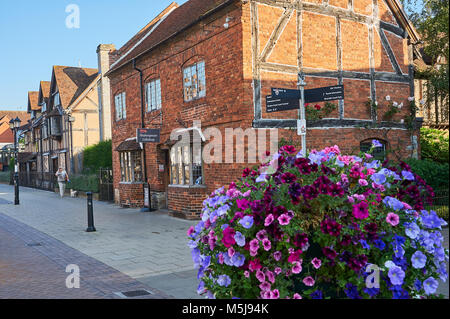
(34, 37)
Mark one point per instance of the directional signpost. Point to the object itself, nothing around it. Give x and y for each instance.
(289, 99)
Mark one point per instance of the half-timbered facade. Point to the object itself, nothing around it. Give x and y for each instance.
(235, 52)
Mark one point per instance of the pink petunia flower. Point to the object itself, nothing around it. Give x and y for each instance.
(393, 219)
(270, 276)
(260, 276)
(297, 268)
(261, 234)
(284, 219)
(316, 262)
(277, 271)
(269, 219)
(275, 294)
(231, 251)
(277, 255)
(296, 296)
(363, 182)
(246, 274)
(266, 244)
(265, 286)
(309, 281)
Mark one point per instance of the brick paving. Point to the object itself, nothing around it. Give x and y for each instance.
(30, 271)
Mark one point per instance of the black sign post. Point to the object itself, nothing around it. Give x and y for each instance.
(148, 135)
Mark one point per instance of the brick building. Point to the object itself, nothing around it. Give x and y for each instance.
(215, 60)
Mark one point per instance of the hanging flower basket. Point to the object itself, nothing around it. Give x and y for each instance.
(319, 226)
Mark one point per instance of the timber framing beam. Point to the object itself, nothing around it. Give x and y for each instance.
(327, 123)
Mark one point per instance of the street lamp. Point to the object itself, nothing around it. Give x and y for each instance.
(14, 125)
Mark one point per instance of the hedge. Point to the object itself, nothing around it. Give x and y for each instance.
(435, 174)
(84, 183)
(98, 156)
(434, 144)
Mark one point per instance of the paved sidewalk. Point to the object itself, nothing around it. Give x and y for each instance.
(33, 266)
(148, 246)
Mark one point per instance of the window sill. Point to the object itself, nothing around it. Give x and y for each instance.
(187, 186)
(131, 183)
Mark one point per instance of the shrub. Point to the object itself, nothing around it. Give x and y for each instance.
(434, 145)
(84, 183)
(98, 156)
(317, 227)
(435, 174)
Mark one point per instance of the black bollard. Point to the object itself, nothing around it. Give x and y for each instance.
(90, 210)
(16, 189)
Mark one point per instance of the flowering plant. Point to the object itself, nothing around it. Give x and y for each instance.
(323, 225)
(317, 112)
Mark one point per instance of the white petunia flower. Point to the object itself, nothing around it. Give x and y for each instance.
(411, 98)
(388, 98)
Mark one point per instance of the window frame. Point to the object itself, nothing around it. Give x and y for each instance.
(127, 161)
(179, 168)
(155, 97)
(199, 76)
(121, 109)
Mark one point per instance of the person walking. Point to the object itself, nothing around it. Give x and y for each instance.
(63, 178)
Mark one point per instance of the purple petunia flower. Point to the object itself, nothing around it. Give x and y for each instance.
(396, 275)
(408, 175)
(240, 239)
(430, 285)
(246, 222)
(376, 143)
(378, 178)
(418, 260)
(224, 280)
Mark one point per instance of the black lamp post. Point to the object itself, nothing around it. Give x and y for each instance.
(14, 126)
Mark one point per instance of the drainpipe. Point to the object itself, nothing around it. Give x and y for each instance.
(141, 85)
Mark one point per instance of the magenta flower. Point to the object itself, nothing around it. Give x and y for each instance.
(269, 219)
(316, 262)
(231, 251)
(296, 296)
(309, 281)
(254, 244)
(360, 210)
(246, 274)
(228, 237)
(266, 244)
(254, 265)
(392, 219)
(277, 271)
(284, 219)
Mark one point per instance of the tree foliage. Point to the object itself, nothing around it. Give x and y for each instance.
(98, 156)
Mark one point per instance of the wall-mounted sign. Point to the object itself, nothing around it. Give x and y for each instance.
(288, 99)
(148, 135)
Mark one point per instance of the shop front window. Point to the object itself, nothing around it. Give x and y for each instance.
(186, 165)
(131, 166)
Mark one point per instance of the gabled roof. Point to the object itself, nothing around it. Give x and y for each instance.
(33, 101)
(7, 137)
(138, 36)
(9, 115)
(44, 91)
(397, 9)
(174, 22)
(71, 82)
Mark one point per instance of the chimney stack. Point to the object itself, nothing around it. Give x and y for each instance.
(104, 94)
